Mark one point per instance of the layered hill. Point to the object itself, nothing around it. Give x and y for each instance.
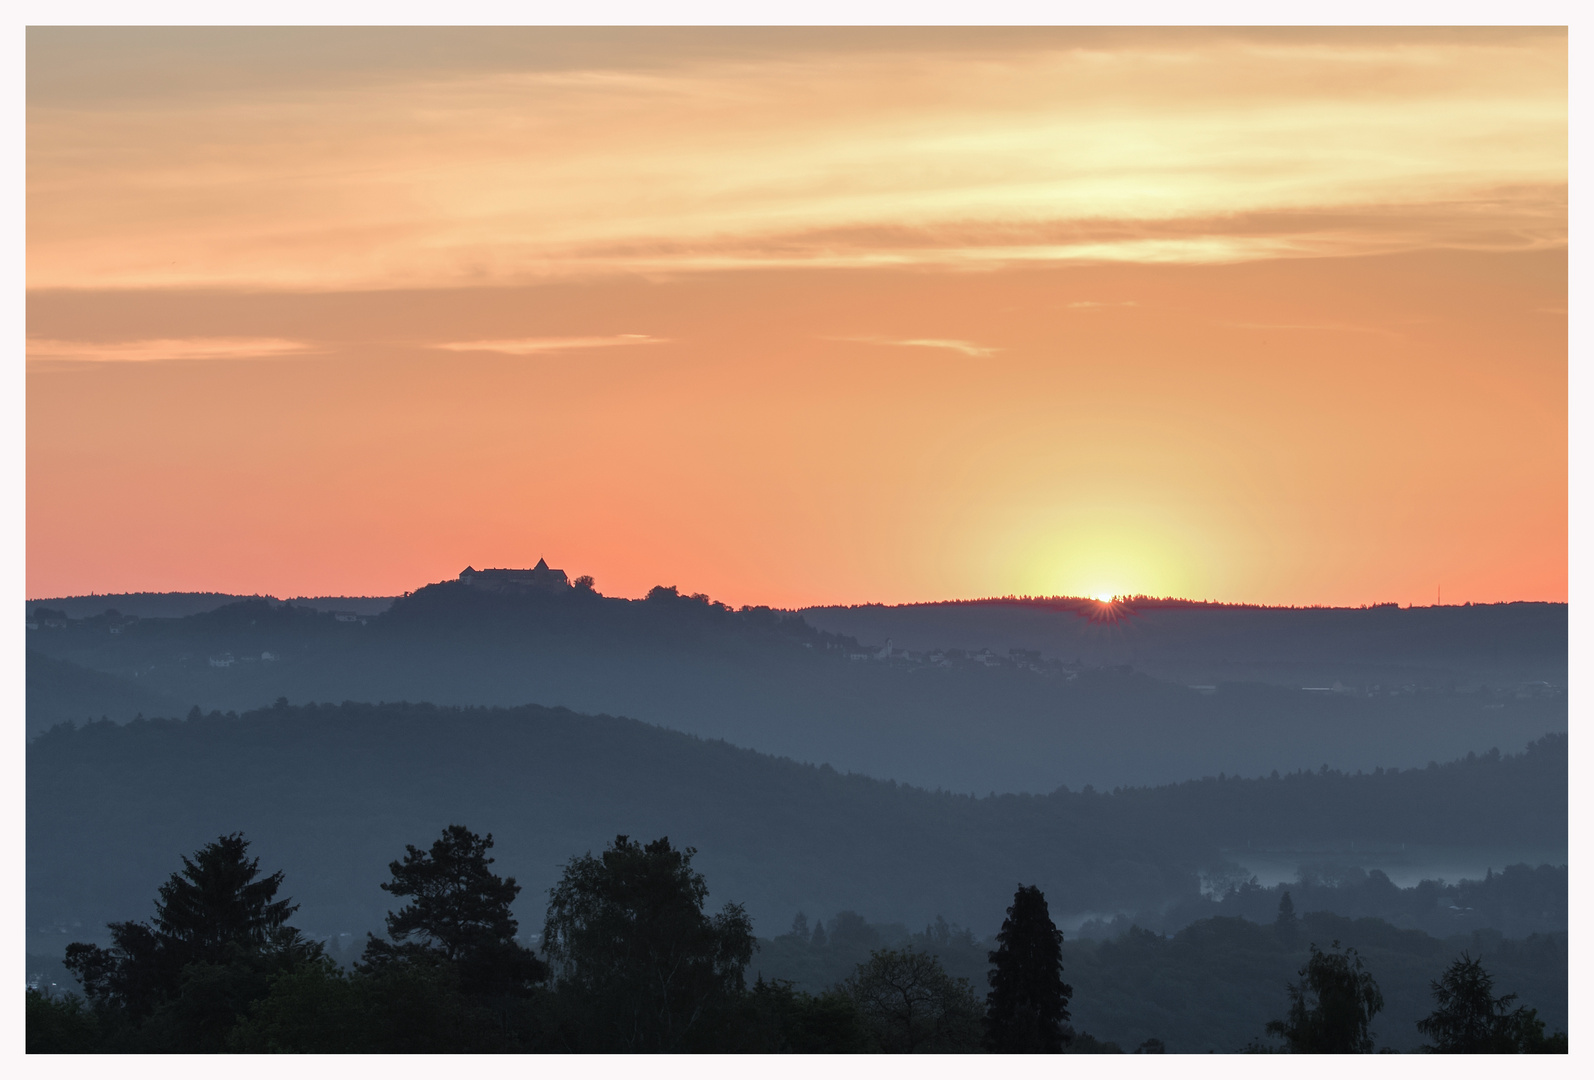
(332, 794)
(773, 682)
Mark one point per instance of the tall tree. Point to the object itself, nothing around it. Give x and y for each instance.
(1469, 1019)
(218, 939)
(1026, 1011)
(1332, 1006)
(640, 963)
(458, 913)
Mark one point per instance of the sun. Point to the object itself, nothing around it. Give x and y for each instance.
(1102, 597)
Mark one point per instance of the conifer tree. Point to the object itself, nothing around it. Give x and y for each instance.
(1286, 925)
(459, 913)
(1027, 1008)
(216, 910)
(1469, 1019)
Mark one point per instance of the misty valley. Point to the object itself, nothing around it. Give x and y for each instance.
(1213, 804)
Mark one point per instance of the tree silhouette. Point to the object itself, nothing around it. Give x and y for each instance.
(459, 913)
(1331, 1007)
(641, 964)
(1286, 925)
(218, 939)
(1469, 1019)
(1027, 1008)
(912, 1005)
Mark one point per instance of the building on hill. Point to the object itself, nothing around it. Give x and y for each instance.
(541, 577)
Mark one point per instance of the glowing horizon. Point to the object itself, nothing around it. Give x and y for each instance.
(801, 317)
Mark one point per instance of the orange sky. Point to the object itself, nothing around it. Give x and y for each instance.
(799, 317)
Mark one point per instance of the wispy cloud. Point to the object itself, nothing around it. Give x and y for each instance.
(157, 349)
(1149, 147)
(532, 346)
(967, 348)
(1102, 303)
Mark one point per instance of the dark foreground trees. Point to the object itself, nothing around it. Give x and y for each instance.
(218, 938)
(1332, 1007)
(1469, 1019)
(909, 1004)
(640, 965)
(1027, 1008)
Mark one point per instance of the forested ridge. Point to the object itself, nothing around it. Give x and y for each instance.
(327, 790)
(1009, 720)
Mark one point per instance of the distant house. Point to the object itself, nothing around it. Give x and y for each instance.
(541, 577)
(224, 660)
(346, 616)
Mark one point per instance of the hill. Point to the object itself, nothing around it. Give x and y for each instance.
(331, 794)
(771, 681)
(1500, 645)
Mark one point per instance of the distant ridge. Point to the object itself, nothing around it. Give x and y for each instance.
(1154, 603)
(180, 605)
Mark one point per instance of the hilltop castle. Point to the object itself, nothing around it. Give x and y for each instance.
(541, 576)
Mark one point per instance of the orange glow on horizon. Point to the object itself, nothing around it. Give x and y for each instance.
(1274, 317)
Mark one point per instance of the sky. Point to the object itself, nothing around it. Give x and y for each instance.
(800, 317)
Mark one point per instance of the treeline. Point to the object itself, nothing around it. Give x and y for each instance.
(1519, 901)
(1210, 986)
(328, 791)
(632, 960)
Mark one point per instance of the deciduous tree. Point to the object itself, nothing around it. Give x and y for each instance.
(911, 1005)
(1332, 1006)
(641, 965)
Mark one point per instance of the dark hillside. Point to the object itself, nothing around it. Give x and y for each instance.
(60, 691)
(331, 794)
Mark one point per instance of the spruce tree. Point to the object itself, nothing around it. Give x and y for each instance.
(216, 911)
(1027, 1008)
(1469, 1019)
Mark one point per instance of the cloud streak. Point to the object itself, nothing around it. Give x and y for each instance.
(967, 348)
(159, 349)
(535, 346)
